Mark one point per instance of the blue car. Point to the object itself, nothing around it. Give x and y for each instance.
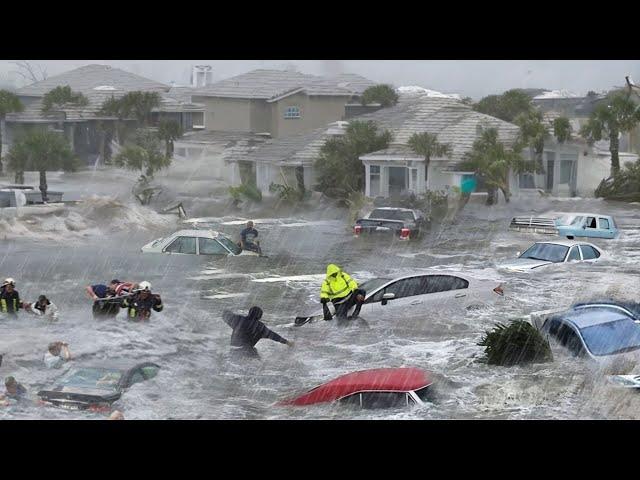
(586, 225)
(607, 332)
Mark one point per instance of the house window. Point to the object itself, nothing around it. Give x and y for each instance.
(374, 180)
(292, 112)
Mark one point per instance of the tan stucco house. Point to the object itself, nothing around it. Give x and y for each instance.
(277, 102)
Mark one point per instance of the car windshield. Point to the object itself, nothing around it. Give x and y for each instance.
(94, 378)
(235, 249)
(549, 252)
(392, 214)
(577, 221)
(372, 285)
(612, 337)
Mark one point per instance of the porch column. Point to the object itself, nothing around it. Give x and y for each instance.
(384, 181)
(309, 177)
(234, 174)
(422, 181)
(367, 180)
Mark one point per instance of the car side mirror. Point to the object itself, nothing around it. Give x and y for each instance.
(387, 296)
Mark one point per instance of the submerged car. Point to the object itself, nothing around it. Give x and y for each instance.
(605, 332)
(378, 388)
(422, 293)
(587, 225)
(402, 222)
(541, 254)
(196, 242)
(96, 387)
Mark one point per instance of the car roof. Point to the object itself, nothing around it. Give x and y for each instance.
(570, 243)
(121, 365)
(596, 314)
(576, 214)
(394, 208)
(379, 379)
(204, 233)
(420, 274)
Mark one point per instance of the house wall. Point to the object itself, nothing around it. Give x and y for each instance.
(226, 114)
(316, 112)
(260, 116)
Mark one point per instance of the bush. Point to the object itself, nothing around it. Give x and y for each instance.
(245, 192)
(518, 343)
(289, 195)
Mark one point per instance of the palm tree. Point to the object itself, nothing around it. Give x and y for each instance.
(9, 102)
(533, 133)
(42, 151)
(143, 154)
(492, 162)
(562, 129)
(169, 131)
(427, 145)
(617, 115)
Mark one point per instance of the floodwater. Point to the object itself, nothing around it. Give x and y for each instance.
(61, 254)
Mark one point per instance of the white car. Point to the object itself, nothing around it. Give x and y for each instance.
(541, 254)
(424, 293)
(196, 242)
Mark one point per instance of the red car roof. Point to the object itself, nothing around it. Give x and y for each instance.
(380, 379)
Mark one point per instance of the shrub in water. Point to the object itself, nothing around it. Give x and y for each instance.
(515, 344)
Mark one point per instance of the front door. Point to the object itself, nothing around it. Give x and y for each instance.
(550, 167)
(397, 181)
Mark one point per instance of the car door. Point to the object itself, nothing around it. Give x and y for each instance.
(210, 246)
(406, 293)
(574, 255)
(182, 245)
(590, 227)
(444, 291)
(604, 228)
(589, 254)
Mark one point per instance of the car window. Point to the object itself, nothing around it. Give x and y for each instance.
(233, 247)
(443, 283)
(209, 246)
(549, 252)
(604, 223)
(568, 338)
(574, 254)
(136, 377)
(613, 222)
(608, 338)
(352, 400)
(100, 378)
(384, 399)
(182, 245)
(425, 394)
(150, 371)
(407, 287)
(588, 252)
(591, 222)
(392, 215)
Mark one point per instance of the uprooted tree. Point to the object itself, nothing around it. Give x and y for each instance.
(518, 343)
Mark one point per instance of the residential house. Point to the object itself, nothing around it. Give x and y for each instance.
(82, 124)
(278, 102)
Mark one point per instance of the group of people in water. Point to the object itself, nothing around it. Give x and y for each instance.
(137, 298)
(10, 302)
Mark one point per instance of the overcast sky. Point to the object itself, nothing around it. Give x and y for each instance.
(473, 78)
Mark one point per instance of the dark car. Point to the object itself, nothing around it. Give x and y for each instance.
(96, 387)
(402, 222)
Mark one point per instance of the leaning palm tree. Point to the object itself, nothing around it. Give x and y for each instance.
(9, 102)
(618, 114)
(427, 145)
(42, 151)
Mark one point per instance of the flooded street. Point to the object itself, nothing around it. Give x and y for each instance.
(101, 239)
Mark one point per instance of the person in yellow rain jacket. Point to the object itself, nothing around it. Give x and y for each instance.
(341, 290)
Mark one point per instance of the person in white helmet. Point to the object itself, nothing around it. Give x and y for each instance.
(9, 298)
(140, 304)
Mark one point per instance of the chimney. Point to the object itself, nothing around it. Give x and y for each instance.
(201, 76)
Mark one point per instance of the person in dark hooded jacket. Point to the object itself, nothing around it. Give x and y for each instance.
(247, 331)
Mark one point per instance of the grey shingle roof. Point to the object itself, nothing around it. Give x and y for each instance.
(449, 119)
(110, 82)
(88, 77)
(271, 84)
